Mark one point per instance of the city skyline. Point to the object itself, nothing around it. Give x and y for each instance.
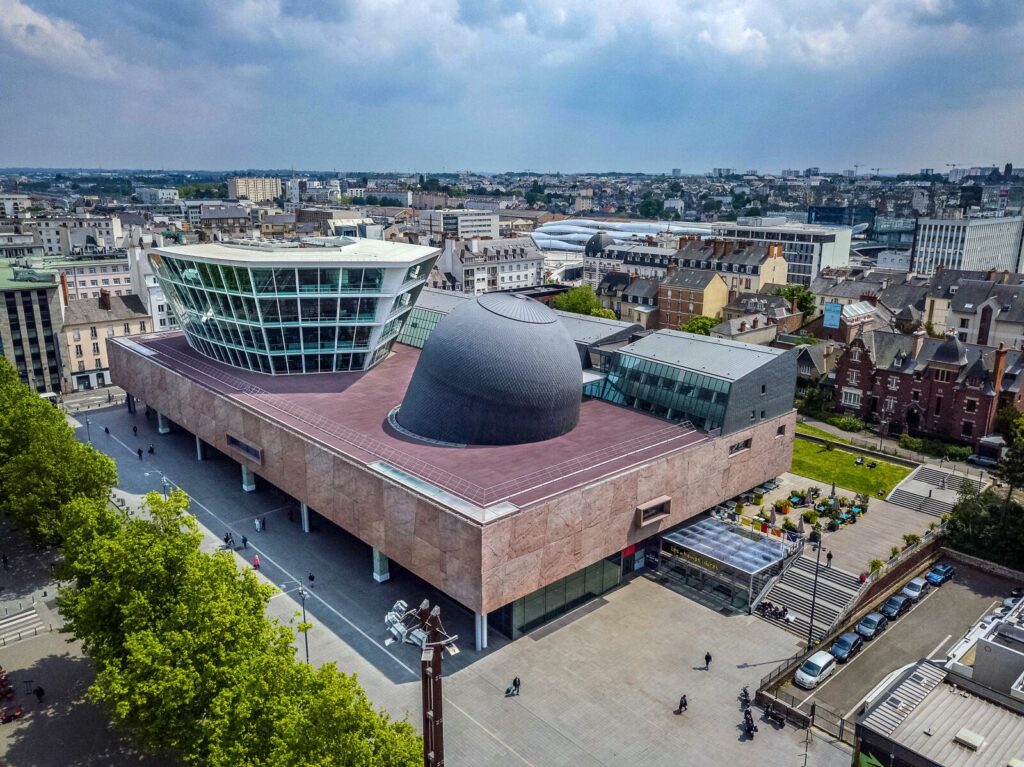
(567, 88)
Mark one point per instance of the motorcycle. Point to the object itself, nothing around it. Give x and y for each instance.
(774, 716)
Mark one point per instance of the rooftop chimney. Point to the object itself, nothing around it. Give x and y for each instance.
(743, 325)
(999, 368)
(919, 336)
(754, 323)
(105, 299)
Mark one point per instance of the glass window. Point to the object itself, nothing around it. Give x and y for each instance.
(308, 281)
(263, 279)
(284, 280)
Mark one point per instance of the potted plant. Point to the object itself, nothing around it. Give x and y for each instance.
(875, 565)
(894, 552)
(788, 525)
(815, 535)
(911, 539)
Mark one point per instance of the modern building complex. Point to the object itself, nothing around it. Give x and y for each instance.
(518, 459)
(463, 224)
(88, 323)
(322, 305)
(807, 248)
(967, 243)
(29, 325)
(257, 189)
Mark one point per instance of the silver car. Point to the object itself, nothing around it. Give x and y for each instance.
(916, 589)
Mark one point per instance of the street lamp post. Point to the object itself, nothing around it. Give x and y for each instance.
(88, 430)
(166, 484)
(814, 597)
(305, 630)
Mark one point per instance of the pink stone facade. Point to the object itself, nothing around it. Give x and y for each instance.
(482, 565)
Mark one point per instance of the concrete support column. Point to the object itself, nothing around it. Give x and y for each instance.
(481, 630)
(304, 513)
(200, 449)
(380, 567)
(248, 479)
(129, 400)
(163, 426)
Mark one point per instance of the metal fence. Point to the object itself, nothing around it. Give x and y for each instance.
(809, 714)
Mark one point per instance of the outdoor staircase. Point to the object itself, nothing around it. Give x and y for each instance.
(937, 478)
(837, 590)
(20, 625)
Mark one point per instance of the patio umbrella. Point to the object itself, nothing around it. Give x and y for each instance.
(833, 488)
(773, 517)
(800, 525)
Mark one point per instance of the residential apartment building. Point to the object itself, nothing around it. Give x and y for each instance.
(224, 221)
(87, 326)
(463, 224)
(746, 267)
(67, 235)
(988, 313)
(687, 293)
(255, 188)
(923, 385)
(807, 248)
(967, 243)
(602, 255)
(30, 322)
(88, 276)
(483, 266)
(14, 245)
(640, 303)
(13, 205)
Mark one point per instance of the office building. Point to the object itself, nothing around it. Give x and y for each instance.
(151, 195)
(256, 189)
(502, 485)
(677, 172)
(807, 248)
(88, 323)
(30, 323)
(68, 235)
(836, 215)
(14, 205)
(464, 224)
(321, 305)
(967, 243)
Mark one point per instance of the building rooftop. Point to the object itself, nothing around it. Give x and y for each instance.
(342, 250)
(348, 412)
(729, 360)
(87, 311)
(26, 279)
(925, 714)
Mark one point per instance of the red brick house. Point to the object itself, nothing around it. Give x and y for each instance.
(922, 385)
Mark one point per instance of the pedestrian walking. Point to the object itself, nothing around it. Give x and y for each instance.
(139, 451)
(263, 523)
(231, 540)
(516, 684)
(39, 692)
(828, 559)
(135, 431)
(312, 578)
(106, 430)
(257, 521)
(245, 542)
(255, 561)
(682, 703)
(227, 539)
(6, 565)
(707, 661)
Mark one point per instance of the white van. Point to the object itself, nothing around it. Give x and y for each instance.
(815, 670)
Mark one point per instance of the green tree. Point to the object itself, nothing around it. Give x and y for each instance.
(1006, 420)
(805, 300)
(699, 324)
(651, 207)
(608, 314)
(1010, 470)
(581, 300)
(42, 465)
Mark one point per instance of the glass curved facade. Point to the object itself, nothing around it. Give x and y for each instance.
(283, 319)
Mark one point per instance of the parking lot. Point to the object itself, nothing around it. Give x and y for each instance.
(931, 627)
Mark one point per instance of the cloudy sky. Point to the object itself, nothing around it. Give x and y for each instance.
(570, 85)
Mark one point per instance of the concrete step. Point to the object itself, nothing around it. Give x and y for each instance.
(905, 499)
(800, 603)
(840, 578)
(804, 582)
(947, 479)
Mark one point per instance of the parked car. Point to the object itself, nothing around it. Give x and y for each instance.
(895, 606)
(846, 646)
(1010, 602)
(982, 460)
(916, 588)
(815, 670)
(940, 574)
(871, 625)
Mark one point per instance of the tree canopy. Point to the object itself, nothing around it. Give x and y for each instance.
(699, 324)
(805, 300)
(581, 300)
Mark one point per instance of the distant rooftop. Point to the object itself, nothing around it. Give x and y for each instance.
(16, 278)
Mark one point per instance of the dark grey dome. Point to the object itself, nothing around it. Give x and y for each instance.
(498, 370)
(598, 243)
(951, 351)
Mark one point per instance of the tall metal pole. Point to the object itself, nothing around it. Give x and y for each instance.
(88, 430)
(305, 634)
(814, 597)
(430, 667)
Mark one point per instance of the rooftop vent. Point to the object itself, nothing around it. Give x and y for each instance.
(970, 739)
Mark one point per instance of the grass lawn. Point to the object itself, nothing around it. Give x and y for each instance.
(814, 431)
(825, 466)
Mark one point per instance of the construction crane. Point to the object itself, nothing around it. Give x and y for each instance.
(876, 170)
(856, 167)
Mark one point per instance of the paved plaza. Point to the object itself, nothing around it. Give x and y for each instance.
(600, 685)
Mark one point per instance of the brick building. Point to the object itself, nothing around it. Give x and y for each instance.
(686, 293)
(922, 385)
